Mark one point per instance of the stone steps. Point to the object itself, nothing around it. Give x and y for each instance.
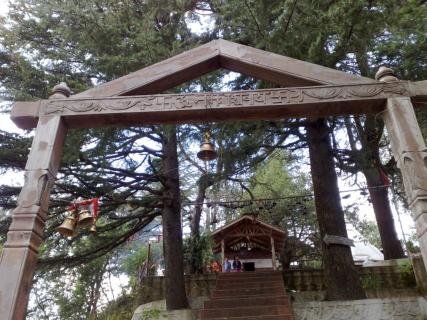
(239, 311)
(223, 285)
(257, 274)
(248, 296)
(242, 278)
(264, 317)
(266, 300)
(247, 292)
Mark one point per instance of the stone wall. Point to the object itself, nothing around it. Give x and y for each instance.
(384, 281)
(420, 273)
(391, 279)
(414, 308)
(199, 287)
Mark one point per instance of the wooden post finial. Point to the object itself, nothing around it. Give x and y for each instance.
(385, 74)
(60, 91)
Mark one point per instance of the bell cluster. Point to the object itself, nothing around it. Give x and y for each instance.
(77, 218)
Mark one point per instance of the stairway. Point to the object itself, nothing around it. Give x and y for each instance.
(248, 295)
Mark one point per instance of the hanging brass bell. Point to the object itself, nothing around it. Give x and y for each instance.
(85, 218)
(68, 226)
(93, 227)
(207, 149)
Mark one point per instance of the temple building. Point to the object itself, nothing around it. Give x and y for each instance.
(259, 244)
(256, 243)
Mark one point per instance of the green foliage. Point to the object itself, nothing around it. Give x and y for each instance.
(405, 266)
(279, 177)
(151, 314)
(355, 36)
(198, 252)
(371, 282)
(412, 246)
(367, 228)
(90, 42)
(312, 264)
(136, 260)
(120, 309)
(406, 272)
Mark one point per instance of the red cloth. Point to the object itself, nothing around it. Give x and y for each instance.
(385, 180)
(92, 204)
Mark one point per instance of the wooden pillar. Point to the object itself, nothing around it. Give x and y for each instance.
(222, 252)
(19, 256)
(273, 253)
(410, 153)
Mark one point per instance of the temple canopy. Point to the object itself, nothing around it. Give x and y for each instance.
(254, 241)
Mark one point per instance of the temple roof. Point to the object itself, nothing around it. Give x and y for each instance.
(248, 228)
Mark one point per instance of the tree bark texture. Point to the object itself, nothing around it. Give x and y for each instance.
(196, 215)
(342, 279)
(368, 160)
(204, 182)
(392, 248)
(172, 231)
(195, 229)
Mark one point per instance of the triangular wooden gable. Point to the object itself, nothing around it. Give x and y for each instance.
(247, 227)
(191, 64)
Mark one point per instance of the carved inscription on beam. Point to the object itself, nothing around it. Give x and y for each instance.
(258, 98)
(222, 106)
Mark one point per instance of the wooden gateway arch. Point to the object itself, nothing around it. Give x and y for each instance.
(307, 90)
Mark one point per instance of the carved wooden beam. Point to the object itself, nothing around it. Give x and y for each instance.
(313, 101)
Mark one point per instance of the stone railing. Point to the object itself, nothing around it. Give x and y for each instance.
(390, 279)
(372, 277)
(383, 281)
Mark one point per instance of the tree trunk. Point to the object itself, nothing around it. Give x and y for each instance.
(392, 248)
(172, 231)
(195, 231)
(198, 208)
(368, 160)
(205, 181)
(342, 279)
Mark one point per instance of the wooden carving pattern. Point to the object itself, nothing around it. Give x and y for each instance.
(270, 97)
(248, 230)
(414, 167)
(355, 91)
(35, 189)
(90, 106)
